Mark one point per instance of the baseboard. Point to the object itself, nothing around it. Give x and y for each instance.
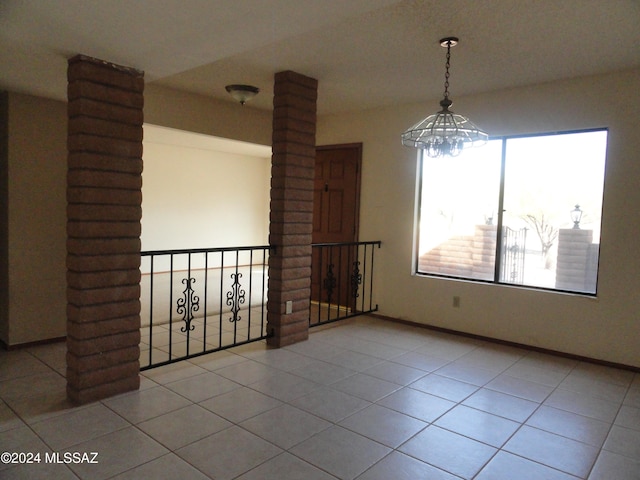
(548, 351)
(19, 346)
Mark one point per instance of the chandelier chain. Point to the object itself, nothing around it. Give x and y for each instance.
(446, 75)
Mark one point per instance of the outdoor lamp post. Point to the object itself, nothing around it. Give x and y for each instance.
(576, 216)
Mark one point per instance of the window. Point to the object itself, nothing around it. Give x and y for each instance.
(520, 211)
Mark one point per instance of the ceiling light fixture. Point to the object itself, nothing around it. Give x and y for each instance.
(242, 93)
(444, 133)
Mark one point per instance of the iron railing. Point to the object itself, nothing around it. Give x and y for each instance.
(200, 301)
(341, 281)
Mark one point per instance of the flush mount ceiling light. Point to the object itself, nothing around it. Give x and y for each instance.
(242, 93)
(444, 133)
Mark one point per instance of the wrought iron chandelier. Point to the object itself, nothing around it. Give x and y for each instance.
(444, 133)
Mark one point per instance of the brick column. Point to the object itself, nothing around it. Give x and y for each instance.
(484, 252)
(104, 201)
(573, 271)
(291, 218)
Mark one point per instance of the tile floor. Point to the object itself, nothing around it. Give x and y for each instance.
(366, 400)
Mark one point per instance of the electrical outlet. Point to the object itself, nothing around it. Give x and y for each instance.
(456, 301)
(288, 307)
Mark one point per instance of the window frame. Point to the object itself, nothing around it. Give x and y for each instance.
(499, 214)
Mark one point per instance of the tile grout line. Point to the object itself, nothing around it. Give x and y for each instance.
(613, 423)
(336, 423)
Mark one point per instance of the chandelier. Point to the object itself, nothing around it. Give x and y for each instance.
(444, 133)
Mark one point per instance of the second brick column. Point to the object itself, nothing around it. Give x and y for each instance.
(291, 217)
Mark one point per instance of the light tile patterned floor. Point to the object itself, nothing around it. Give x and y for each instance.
(366, 399)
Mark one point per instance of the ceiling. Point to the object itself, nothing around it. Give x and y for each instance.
(364, 53)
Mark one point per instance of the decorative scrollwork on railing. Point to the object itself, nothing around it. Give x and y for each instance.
(188, 304)
(235, 297)
(329, 282)
(356, 279)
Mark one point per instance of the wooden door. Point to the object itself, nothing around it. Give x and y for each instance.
(335, 219)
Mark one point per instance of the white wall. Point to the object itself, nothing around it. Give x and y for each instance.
(200, 191)
(197, 113)
(36, 227)
(606, 327)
